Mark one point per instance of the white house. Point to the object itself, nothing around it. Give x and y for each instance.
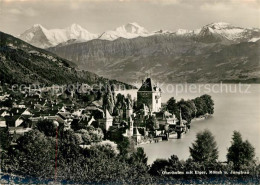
(2, 122)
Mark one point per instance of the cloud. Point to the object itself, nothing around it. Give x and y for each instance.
(30, 12)
(215, 7)
(15, 11)
(64, 0)
(162, 2)
(74, 6)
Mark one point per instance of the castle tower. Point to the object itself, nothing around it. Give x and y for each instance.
(150, 95)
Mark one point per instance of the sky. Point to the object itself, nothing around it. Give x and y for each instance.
(98, 16)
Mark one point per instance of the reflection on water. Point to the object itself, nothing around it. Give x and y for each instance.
(233, 111)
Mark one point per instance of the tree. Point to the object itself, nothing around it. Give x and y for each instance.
(102, 165)
(109, 99)
(34, 156)
(47, 127)
(96, 134)
(4, 138)
(174, 163)
(188, 109)
(200, 106)
(123, 146)
(77, 124)
(84, 134)
(204, 149)
(158, 166)
(240, 152)
(209, 103)
(151, 123)
(6, 103)
(172, 106)
(139, 156)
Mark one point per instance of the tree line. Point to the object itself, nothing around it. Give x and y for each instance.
(191, 108)
(204, 158)
(56, 154)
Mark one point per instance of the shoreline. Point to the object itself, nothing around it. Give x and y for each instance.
(203, 117)
(151, 141)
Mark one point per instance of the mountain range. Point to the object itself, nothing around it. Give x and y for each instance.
(41, 37)
(216, 52)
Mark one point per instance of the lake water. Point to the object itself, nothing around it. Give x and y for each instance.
(234, 110)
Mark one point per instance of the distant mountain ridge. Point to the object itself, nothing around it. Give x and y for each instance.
(44, 38)
(217, 52)
(229, 32)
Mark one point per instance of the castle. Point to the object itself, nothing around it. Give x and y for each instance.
(150, 95)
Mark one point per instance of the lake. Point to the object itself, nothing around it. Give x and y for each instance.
(237, 107)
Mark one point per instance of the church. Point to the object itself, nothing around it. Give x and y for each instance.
(149, 95)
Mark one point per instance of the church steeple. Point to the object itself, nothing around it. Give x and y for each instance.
(180, 128)
(181, 122)
(131, 126)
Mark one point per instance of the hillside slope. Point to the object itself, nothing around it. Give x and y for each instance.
(169, 58)
(24, 63)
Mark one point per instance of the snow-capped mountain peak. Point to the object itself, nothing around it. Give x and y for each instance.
(219, 25)
(41, 37)
(37, 26)
(133, 28)
(75, 28)
(128, 31)
(183, 32)
(162, 32)
(226, 30)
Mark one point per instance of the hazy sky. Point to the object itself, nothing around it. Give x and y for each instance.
(99, 15)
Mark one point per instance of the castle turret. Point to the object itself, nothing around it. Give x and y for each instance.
(107, 121)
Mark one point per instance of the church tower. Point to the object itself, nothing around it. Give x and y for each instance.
(180, 128)
(150, 95)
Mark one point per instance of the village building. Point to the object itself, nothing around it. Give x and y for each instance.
(66, 118)
(4, 97)
(48, 114)
(106, 121)
(2, 122)
(166, 118)
(96, 104)
(137, 136)
(19, 111)
(130, 131)
(91, 121)
(14, 121)
(4, 113)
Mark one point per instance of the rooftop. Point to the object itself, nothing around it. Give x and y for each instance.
(148, 85)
